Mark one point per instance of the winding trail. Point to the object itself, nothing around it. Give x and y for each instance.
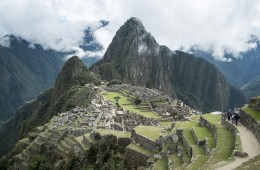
(250, 145)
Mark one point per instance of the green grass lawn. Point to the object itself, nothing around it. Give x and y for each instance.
(205, 133)
(198, 162)
(176, 160)
(165, 124)
(186, 126)
(127, 105)
(150, 132)
(117, 133)
(254, 113)
(161, 164)
(140, 149)
(224, 144)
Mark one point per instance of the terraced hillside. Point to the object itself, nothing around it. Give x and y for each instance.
(112, 133)
(200, 142)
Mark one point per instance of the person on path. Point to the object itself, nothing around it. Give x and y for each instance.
(229, 114)
(236, 117)
(233, 117)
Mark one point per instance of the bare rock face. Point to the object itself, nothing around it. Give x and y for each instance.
(135, 57)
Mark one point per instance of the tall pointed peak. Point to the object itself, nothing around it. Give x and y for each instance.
(132, 25)
(134, 21)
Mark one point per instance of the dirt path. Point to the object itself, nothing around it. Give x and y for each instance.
(250, 145)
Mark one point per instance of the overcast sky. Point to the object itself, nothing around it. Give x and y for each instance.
(217, 26)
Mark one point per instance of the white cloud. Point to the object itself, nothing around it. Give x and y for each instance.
(218, 26)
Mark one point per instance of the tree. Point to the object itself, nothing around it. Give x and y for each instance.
(117, 98)
(137, 101)
(40, 162)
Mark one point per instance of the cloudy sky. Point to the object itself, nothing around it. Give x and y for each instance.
(217, 26)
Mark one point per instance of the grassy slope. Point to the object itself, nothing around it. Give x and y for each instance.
(127, 105)
(225, 142)
(118, 134)
(254, 113)
(150, 132)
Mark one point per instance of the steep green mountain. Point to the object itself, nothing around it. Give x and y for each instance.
(240, 71)
(135, 57)
(24, 73)
(26, 70)
(252, 88)
(66, 94)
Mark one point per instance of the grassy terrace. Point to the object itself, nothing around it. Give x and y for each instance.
(127, 105)
(225, 142)
(254, 113)
(118, 134)
(150, 132)
(165, 124)
(176, 160)
(198, 162)
(160, 164)
(140, 149)
(205, 133)
(187, 126)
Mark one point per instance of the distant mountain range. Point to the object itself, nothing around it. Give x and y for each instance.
(26, 70)
(242, 72)
(133, 57)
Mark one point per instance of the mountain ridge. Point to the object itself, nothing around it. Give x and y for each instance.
(64, 95)
(135, 57)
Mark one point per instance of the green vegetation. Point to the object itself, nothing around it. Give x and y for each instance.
(161, 164)
(186, 156)
(40, 162)
(205, 133)
(187, 133)
(150, 132)
(176, 160)
(252, 112)
(140, 149)
(68, 92)
(251, 164)
(118, 134)
(24, 73)
(225, 142)
(165, 124)
(127, 105)
(198, 162)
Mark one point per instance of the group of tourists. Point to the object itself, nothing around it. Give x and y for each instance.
(233, 116)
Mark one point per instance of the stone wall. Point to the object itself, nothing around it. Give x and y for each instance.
(135, 158)
(213, 128)
(123, 142)
(145, 142)
(235, 131)
(198, 141)
(250, 123)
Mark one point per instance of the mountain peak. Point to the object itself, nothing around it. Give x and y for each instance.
(135, 21)
(132, 25)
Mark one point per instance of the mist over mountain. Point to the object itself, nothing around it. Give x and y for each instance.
(65, 94)
(28, 69)
(135, 57)
(239, 72)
